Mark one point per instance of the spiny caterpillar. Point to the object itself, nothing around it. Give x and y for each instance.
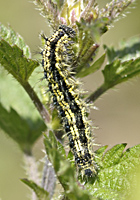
(56, 63)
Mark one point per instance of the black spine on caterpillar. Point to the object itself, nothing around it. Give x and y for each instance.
(56, 61)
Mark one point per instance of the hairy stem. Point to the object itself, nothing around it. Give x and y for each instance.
(95, 95)
(31, 169)
(40, 107)
(48, 178)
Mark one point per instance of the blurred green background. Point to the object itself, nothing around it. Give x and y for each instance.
(118, 114)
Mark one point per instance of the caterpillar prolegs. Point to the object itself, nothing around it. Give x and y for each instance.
(57, 58)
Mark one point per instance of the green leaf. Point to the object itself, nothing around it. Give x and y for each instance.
(100, 152)
(13, 60)
(117, 170)
(61, 149)
(123, 63)
(55, 155)
(113, 155)
(24, 132)
(89, 70)
(39, 191)
(63, 169)
(118, 72)
(128, 50)
(13, 38)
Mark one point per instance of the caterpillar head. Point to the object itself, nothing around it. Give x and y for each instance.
(68, 30)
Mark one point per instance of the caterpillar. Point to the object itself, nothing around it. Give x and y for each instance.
(57, 58)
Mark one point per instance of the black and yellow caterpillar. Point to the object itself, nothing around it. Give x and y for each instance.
(57, 59)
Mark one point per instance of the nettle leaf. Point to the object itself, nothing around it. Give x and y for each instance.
(13, 60)
(118, 72)
(117, 170)
(128, 49)
(15, 55)
(13, 38)
(39, 191)
(124, 63)
(24, 132)
(100, 152)
(113, 155)
(63, 169)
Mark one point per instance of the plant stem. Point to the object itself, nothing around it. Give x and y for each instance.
(40, 107)
(95, 95)
(48, 179)
(31, 168)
